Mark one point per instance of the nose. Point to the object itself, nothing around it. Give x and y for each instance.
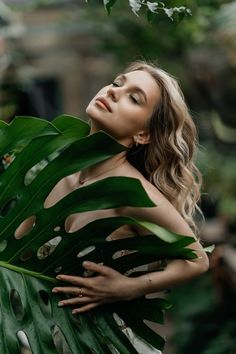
(113, 93)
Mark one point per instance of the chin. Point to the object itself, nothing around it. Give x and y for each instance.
(96, 121)
(93, 112)
(88, 109)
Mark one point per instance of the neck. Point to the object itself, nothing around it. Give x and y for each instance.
(103, 167)
(95, 127)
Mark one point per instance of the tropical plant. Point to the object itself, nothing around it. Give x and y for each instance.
(150, 8)
(29, 313)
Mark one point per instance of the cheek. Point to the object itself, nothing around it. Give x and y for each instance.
(136, 118)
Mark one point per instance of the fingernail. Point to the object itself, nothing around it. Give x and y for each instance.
(54, 290)
(60, 304)
(85, 264)
(58, 277)
(75, 312)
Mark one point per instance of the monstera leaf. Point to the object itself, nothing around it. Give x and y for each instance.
(41, 154)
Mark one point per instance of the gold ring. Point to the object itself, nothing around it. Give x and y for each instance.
(80, 292)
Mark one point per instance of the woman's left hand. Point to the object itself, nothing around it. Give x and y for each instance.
(106, 286)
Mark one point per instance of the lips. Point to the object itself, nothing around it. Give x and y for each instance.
(104, 103)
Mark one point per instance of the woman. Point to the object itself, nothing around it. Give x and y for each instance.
(143, 109)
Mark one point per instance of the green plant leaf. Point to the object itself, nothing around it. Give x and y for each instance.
(150, 16)
(108, 5)
(2, 124)
(28, 309)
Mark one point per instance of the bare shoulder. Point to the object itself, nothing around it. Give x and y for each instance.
(154, 193)
(164, 213)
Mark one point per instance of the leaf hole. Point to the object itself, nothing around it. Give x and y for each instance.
(113, 236)
(32, 173)
(122, 253)
(6, 160)
(109, 238)
(23, 342)
(58, 269)
(59, 340)
(25, 227)
(48, 248)
(142, 268)
(16, 304)
(86, 251)
(87, 273)
(26, 255)
(111, 347)
(8, 207)
(3, 245)
(119, 321)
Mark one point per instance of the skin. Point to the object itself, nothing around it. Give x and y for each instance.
(132, 99)
(131, 104)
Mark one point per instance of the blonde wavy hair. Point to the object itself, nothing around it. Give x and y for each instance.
(168, 160)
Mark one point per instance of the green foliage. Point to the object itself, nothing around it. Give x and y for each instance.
(224, 342)
(108, 5)
(158, 38)
(152, 8)
(203, 325)
(27, 306)
(219, 182)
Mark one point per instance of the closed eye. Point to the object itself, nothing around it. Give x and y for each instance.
(115, 84)
(135, 99)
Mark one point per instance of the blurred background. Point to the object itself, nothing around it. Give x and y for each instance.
(56, 54)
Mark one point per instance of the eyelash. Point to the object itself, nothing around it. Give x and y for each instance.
(133, 99)
(115, 84)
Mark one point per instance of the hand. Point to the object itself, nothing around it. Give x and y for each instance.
(106, 286)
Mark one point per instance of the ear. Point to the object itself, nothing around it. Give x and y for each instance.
(142, 137)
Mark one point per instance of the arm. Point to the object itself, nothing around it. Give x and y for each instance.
(109, 285)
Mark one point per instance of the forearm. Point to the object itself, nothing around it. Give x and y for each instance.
(177, 272)
(108, 285)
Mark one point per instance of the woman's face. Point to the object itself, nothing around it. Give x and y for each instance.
(123, 108)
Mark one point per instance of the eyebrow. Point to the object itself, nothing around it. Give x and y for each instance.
(124, 78)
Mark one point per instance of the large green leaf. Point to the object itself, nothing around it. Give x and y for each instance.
(27, 277)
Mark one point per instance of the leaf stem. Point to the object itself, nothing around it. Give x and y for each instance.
(27, 272)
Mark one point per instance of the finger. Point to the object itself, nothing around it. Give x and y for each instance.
(85, 308)
(73, 279)
(75, 291)
(96, 268)
(74, 301)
